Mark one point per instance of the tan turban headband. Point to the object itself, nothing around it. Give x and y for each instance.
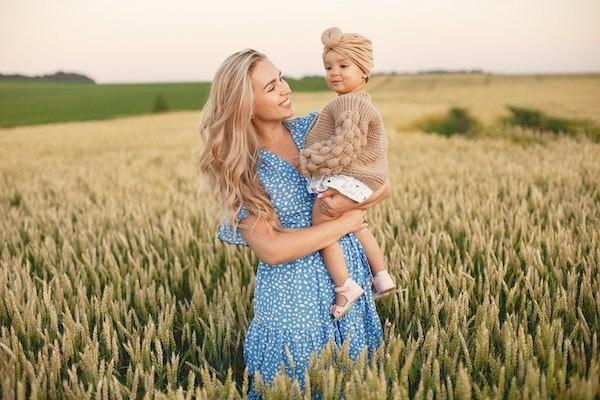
(350, 45)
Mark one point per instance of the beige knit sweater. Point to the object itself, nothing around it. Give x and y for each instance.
(347, 138)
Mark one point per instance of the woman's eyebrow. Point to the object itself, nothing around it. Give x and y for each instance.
(272, 81)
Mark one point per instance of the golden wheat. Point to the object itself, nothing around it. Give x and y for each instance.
(113, 285)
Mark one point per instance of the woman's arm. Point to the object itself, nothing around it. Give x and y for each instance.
(274, 247)
(333, 204)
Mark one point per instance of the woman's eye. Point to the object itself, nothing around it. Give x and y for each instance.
(271, 89)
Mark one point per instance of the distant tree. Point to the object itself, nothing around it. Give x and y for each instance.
(457, 121)
(59, 76)
(160, 104)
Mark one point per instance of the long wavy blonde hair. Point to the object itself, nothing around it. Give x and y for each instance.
(230, 148)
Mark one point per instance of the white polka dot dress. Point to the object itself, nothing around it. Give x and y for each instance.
(292, 300)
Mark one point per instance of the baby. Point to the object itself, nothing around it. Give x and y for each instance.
(346, 149)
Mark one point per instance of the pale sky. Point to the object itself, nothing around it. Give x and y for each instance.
(177, 40)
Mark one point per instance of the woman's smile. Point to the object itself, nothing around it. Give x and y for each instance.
(287, 103)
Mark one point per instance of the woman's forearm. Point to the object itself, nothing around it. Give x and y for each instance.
(276, 247)
(300, 242)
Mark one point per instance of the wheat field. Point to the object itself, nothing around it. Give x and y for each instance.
(113, 285)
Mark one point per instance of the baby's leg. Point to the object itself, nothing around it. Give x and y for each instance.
(333, 256)
(382, 282)
(372, 250)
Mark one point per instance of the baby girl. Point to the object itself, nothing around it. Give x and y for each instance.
(346, 150)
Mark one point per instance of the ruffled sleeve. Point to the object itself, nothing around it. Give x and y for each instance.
(228, 234)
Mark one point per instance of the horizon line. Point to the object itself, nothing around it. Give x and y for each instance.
(419, 72)
(431, 71)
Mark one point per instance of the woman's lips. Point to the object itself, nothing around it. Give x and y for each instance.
(286, 104)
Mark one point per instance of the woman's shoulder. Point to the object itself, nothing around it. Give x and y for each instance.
(300, 126)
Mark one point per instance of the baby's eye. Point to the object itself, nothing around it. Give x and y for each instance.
(327, 68)
(343, 65)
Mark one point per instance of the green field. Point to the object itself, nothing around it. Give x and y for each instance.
(28, 103)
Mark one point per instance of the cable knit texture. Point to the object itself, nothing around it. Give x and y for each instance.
(348, 138)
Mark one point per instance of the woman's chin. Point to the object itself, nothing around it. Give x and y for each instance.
(288, 112)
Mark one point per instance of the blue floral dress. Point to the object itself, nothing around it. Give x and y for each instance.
(292, 300)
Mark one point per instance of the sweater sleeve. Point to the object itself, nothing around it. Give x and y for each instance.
(349, 138)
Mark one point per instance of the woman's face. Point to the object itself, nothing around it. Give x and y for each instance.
(271, 93)
(341, 74)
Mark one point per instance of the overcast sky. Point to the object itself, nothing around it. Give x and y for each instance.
(176, 40)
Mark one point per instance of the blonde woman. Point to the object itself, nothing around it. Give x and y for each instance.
(250, 157)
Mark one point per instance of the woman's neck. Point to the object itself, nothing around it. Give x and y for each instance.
(269, 132)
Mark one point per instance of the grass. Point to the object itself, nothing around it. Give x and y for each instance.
(456, 121)
(29, 103)
(537, 120)
(524, 125)
(401, 99)
(112, 283)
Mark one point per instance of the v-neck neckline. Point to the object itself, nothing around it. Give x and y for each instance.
(278, 157)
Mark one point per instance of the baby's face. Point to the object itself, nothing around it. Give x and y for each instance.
(341, 74)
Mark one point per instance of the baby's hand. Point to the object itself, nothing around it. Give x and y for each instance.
(333, 204)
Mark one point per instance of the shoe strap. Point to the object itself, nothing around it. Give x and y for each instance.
(336, 310)
(341, 289)
(385, 274)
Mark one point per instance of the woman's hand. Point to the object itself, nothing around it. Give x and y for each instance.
(353, 220)
(333, 204)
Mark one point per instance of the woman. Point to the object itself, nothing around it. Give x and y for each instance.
(251, 157)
